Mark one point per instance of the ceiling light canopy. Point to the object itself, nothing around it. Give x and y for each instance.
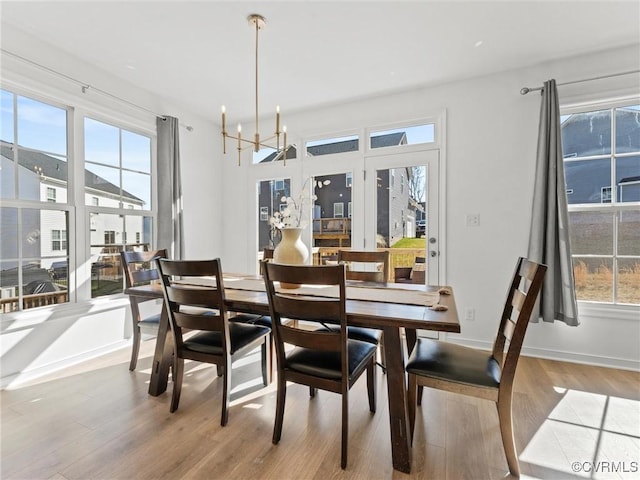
(258, 22)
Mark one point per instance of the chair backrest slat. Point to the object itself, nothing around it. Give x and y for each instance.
(509, 328)
(198, 321)
(519, 297)
(523, 293)
(298, 307)
(379, 262)
(328, 340)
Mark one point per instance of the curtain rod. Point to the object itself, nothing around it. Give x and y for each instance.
(86, 87)
(525, 90)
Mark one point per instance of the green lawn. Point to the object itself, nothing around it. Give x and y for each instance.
(410, 243)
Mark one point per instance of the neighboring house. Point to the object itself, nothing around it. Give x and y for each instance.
(589, 181)
(396, 211)
(44, 232)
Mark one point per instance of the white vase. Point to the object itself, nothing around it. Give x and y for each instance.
(291, 250)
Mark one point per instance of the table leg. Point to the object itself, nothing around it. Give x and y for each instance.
(397, 392)
(162, 357)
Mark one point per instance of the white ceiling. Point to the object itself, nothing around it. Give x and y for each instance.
(201, 54)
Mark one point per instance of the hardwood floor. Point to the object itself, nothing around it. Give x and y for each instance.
(97, 421)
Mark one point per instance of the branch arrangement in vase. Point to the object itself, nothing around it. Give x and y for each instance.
(292, 214)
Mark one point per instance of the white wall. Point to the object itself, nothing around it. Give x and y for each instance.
(490, 152)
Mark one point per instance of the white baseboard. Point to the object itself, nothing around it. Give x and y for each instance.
(595, 360)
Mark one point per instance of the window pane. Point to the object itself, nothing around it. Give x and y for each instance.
(103, 181)
(329, 146)
(136, 190)
(138, 233)
(628, 179)
(41, 126)
(38, 288)
(54, 230)
(588, 181)
(6, 123)
(266, 155)
(8, 233)
(270, 193)
(101, 143)
(587, 134)
(107, 240)
(31, 236)
(39, 171)
(591, 233)
(7, 173)
(136, 152)
(33, 276)
(410, 135)
(594, 279)
(58, 271)
(330, 228)
(9, 283)
(629, 280)
(629, 233)
(628, 129)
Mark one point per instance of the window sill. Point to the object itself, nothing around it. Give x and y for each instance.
(609, 311)
(62, 311)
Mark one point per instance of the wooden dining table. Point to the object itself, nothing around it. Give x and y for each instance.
(380, 310)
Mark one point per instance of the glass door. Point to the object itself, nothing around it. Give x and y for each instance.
(401, 204)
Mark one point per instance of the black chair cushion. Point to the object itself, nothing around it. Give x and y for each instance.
(149, 325)
(240, 334)
(263, 320)
(151, 320)
(369, 335)
(327, 364)
(457, 363)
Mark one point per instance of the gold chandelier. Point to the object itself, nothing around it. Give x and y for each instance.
(258, 22)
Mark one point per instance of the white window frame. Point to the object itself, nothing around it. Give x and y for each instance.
(77, 235)
(591, 307)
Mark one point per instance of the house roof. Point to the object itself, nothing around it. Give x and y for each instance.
(581, 133)
(57, 169)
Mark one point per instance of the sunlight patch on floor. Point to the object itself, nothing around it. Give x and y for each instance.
(590, 436)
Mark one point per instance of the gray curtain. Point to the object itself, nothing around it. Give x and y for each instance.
(170, 228)
(549, 238)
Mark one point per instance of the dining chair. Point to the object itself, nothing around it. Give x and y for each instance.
(198, 305)
(414, 274)
(321, 359)
(371, 267)
(479, 373)
(139, 269)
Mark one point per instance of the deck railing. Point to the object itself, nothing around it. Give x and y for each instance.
(399, 257)
(11, 304)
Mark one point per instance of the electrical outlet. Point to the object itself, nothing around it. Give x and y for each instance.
(473, 219)
(470, 314)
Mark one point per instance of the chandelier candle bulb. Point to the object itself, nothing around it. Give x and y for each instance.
(277, 119)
